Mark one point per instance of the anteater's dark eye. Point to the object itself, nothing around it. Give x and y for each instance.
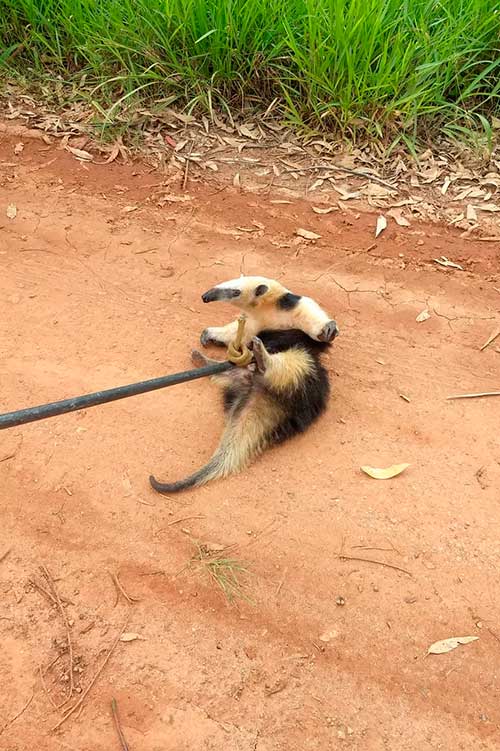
(261, 290)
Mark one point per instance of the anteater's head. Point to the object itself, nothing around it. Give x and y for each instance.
(258, 293)
(246, 292)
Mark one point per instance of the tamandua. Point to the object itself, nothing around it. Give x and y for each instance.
(267, 305)
(278, 396)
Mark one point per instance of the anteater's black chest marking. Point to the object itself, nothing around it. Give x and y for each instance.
(288, 301)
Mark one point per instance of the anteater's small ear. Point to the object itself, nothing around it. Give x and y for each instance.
(261, 290)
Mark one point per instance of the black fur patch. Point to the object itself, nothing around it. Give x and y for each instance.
(288, 301)
(303, 406)
(261, 290)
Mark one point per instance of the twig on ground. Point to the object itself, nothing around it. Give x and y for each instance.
(186, 168)
(339, 168)
(116, 719)
(46, 690)
(18, 714)
(491, 339)
(474, 396)
(4, 555)
(44, 592)
(120, 590)
(79, 703)
(6, 458)
(64, 617)
(280, 585)
(184, 519)
(343, 557)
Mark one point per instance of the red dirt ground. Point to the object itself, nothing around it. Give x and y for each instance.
(92, 297)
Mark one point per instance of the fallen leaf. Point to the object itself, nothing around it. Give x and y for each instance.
(130, 636)
(211, 165)
(385, 474)
(113, 154)
(398, 217)
(236, 180)
(381, 225)
(11, 211)
(327, 636)
(128, 209)
(248, 133)
(443, 261)
(307, 234)
(471, 213)
(446, 645)
(316, 184)
(423, 316)
(346, 195)
(80, 154)
(374, 190)
(489, 207)
(19, 148)
(327, 210)
(170, 141)
(168, 197)
(445, 185)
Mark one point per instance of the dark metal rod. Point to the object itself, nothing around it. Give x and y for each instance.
(32, 414)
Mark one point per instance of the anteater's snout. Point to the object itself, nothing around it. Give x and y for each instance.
(220, 293)
(210, 295)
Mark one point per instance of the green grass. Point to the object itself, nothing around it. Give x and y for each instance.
(393, 69)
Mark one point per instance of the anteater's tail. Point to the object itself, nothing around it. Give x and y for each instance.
(241, 443)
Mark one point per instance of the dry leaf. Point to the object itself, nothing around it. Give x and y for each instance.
(445, 185)
(374, 190)
(113, 154)
(248, 133)
(471, 213)
(316, 184)
(236, 180)
(19, 148)
(385, 474)
(11, 211)
(423, 316)
(443, 261)
(170, 198)
(398, 217)
(446, 645)
(80, 154)
(128, 209)
(307, 234)
(381, 225)
(130, 636)
(327, 636)
(489, 207)
(327, 210)
(345, 195)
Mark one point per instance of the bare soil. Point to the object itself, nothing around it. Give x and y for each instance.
(95, 295)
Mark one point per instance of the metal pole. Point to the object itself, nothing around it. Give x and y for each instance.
(32, 414)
